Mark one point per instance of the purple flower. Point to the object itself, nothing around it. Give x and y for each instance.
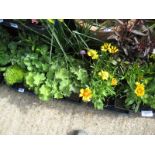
(82, 52)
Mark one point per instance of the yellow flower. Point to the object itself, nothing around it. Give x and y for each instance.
(140, 89)
(86, 94)
(114, 82)
(113, 49)
(104, 75)
(93, 54)
(105, 47)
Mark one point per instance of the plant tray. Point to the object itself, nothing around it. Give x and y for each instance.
(144, 111)
(1, 77)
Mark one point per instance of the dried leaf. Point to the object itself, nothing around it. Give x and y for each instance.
(138, 33)
(125, 51)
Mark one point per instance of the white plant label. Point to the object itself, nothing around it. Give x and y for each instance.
(14, 25)
(107, 30)
(145, 113)
(21, 90)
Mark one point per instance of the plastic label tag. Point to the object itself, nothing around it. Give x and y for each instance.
(1, 20)
(21, 90)
(14, 25)
(147, 113)
(107, 30)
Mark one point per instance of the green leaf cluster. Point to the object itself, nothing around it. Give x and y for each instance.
(143, 74)
(13, 75)
(4, 54)
(54, 79)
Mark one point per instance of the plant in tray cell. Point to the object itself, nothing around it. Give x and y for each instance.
(103, 76)
(34, 79)
(140, 86)
(13, 75)
(37, 60)
(5, 58)
(44, 92)
(56, 79)
(61, 38)
(4, 55)
(135, 38)
(4, 35)
(66, 78)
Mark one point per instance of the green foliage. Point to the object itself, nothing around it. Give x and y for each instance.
(4, 58)
(55, 79)
(61, 38)
(102, 89)
(44, 92)
(13, 75)
(29, 80)
(66, 78)
(34, 79)
(139, 73)
(4, 54)
(17, 52)
(4, 35)
(38, 79)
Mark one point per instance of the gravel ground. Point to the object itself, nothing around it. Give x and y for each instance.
(25, 114)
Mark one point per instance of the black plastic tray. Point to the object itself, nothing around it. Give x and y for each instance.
(76, 100)
(1, 78)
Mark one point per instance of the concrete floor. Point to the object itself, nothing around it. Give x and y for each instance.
(25, 114)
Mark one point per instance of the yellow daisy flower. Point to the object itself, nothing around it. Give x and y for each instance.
(114, 82)
(86, 94)
(105, 47)
(113, 49)
(140, 89)
(104, 75)
(93, 54)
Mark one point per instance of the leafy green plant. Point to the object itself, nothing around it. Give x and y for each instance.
(4, 35)
(61, 38)
(140, 86)
(58, 77)
(4, 54)
(66, 79)
(44, 92)
(13, 75)
(34, 79)
(4, 58)
(101, 81)
(35, 62)
(103, 78)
